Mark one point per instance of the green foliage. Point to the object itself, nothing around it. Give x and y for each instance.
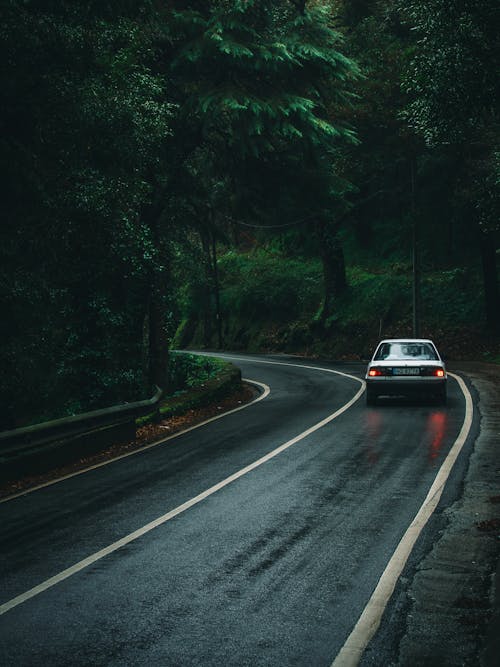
(262, 287)
(452, 82)
(140, 137)
(251, 76)
(259, 83)
(193, 370)
(201, 381)
(453, 74)
(84, 120)
(270, 303)
(448, 298)
(373, 296)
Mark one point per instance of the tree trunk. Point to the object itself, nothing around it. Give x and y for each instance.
(332, 258)
(217, 293)
(146, 384)
(158, 332)
(207, 288)
(157, 320)
(490, 278)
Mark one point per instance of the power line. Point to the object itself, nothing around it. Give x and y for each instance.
(299, 221)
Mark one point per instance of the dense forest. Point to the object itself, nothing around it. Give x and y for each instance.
(253, 174)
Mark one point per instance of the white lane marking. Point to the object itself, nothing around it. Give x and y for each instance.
(369, 621)
(287, 363)
(266, 391)
(77, 567)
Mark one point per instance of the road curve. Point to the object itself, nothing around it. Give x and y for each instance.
(272, 568)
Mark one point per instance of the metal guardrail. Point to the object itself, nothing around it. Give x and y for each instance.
(35, 447)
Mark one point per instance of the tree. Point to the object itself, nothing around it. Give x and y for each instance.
(261, 83)
(452, 81)
(379, 166)
(83, 123)
(125, 126)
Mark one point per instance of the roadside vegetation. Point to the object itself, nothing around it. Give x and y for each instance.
(253, 174)
(195, 382)
(270, 302)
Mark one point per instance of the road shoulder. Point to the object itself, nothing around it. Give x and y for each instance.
(453, 614)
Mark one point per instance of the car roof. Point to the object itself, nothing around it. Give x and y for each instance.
(406, 340)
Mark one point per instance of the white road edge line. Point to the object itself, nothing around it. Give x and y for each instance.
(369, 621)
(81, 565)
(266, 391)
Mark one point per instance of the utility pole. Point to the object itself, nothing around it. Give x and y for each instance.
(415, 256)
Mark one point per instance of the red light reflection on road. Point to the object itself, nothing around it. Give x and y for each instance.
(373, 431)
(436, 427)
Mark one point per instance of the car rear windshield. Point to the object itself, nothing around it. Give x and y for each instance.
(423, 351)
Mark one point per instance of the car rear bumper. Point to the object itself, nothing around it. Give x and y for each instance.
(388, 386)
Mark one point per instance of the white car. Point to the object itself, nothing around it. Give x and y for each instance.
(406, 367)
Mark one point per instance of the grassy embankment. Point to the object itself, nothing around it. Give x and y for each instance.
(195, 381)
(272, 303)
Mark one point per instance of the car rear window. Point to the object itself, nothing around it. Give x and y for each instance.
(423, 351)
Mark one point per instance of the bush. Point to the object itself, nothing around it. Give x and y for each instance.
(192, 370)
(268, 287)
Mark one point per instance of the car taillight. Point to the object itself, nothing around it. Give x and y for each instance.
(374, 372)
(433, 372)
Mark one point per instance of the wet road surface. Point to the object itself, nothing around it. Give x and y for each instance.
(272, 569)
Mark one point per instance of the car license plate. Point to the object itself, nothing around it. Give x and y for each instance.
(406, 371)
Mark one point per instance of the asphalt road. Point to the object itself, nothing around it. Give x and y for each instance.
(273, 568)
